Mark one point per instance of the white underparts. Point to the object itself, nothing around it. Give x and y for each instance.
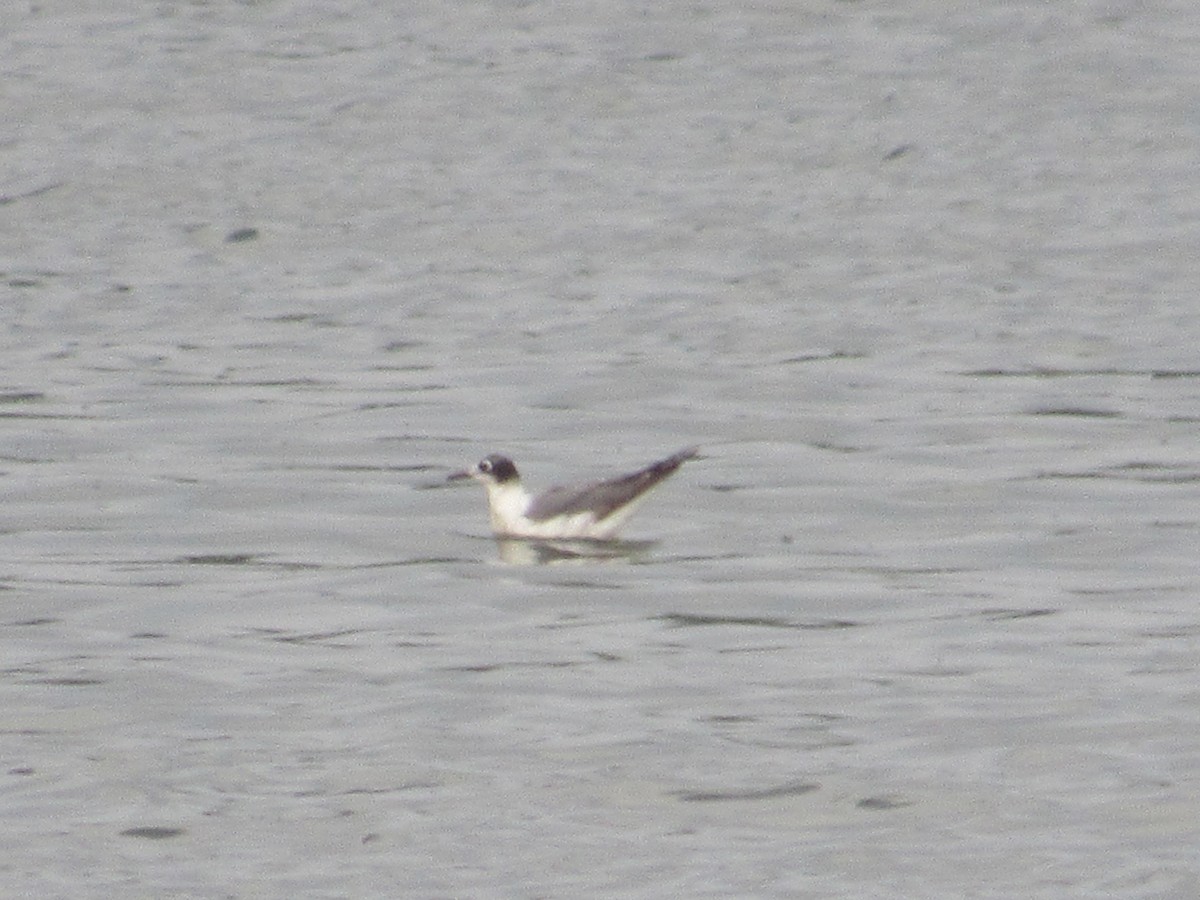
(507, 505)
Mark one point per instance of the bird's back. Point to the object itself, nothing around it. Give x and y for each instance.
(603, 498)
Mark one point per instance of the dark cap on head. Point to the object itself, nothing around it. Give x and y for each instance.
(499, 467)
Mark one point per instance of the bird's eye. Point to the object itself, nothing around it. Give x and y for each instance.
(485, 466)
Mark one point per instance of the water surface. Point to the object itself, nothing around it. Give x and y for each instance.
(922, 620)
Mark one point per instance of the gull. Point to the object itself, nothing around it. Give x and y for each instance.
(594, 511)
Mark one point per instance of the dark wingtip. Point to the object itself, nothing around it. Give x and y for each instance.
(665, 467)
(675, 460)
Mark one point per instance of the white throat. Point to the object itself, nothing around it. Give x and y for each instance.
(507, 504)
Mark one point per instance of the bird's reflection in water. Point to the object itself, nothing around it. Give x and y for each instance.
(527, 552)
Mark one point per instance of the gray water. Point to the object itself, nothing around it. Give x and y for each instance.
(919, 278)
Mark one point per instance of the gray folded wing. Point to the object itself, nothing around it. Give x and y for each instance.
(602, 498)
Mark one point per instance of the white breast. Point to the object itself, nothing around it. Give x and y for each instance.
(508, 503)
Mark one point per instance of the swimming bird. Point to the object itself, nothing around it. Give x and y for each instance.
(594, 511)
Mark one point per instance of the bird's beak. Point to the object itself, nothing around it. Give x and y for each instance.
(459, 476)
